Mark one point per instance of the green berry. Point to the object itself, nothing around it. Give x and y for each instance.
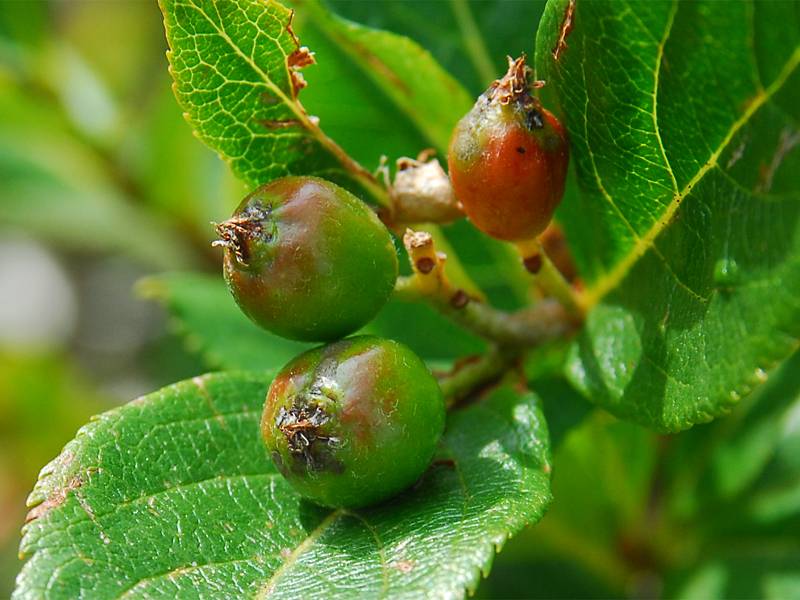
(306, 259)
(354, 422)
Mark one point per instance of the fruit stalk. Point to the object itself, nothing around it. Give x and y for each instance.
(474, 373)
(545, 321)
(538, 263)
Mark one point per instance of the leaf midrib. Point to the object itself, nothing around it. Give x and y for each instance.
(609, 281)
(312, 537)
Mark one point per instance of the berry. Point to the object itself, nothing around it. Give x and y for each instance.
(354, 422)
(307, 260)
(508, 159)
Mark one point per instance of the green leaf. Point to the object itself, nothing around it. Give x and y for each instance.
(173, 494)
(420, 90)
(236, 75)
(250, 84)
(55, 187)
(205, 314)
(471, 39)
(686, 229)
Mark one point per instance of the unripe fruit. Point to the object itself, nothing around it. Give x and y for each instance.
(508, 159)
(306, 259)
(354, 422)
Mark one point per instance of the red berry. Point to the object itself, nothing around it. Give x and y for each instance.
(508, 159)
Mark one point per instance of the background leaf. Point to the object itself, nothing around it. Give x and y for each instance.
(418, 88)
(471, 39)
(206, 315)
(57, 188)
(189, 459)
(686, 228)
(742, 497)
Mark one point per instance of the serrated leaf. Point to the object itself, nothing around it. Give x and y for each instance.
(236, 70)
(682, 118)
(173, 494)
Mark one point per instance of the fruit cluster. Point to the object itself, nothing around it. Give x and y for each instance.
(356, 421)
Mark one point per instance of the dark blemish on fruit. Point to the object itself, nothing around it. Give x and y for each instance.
(520, 149)
(534, 119)
(533, 263)
(310, 448)
(425, 265)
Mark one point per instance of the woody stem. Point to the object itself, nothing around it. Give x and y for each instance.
(532, 326)
(457, 384)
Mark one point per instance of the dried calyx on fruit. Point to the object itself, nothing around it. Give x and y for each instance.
(508, 158)
(306, 259)
(354, 422)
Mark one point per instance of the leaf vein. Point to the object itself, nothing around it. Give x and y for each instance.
(611, 279)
